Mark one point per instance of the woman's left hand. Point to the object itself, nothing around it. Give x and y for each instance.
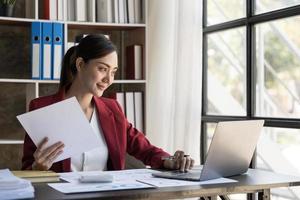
(179, 161)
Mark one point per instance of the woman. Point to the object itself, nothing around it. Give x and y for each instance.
(88, 69)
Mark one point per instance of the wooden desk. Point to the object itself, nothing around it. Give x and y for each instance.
(254, 181)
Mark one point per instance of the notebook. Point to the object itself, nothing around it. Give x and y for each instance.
(37, 176)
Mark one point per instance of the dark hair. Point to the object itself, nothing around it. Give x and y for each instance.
(89, 47)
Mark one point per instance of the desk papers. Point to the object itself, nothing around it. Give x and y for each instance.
(124, 180)
(63, 121)
(119, 175)
(164, 182)
(68, 188)
(12, 187)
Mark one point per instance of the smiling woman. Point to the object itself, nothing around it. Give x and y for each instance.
(87, 71)
(93, 50)
(95, 75)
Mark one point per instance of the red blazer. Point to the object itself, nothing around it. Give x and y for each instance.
(120, 136)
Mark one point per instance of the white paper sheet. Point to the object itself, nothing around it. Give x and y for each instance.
(63, 121)
(123, 180)
(120, 175)
(97, 187)
(164, 182)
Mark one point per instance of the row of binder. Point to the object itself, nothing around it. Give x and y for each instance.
(132, 105)
(47, 49)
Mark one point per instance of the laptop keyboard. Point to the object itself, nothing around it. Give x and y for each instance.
(192, 175)
(178, 172)
(189, 174)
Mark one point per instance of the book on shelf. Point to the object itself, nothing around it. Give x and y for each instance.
(81, 10)
(116, 11)
(60, 10)
(129, 107)
(126, 12)
(49, 9)
(58, 49)
(47, 32)
(36, 50)
(130, 11)
(70, 10)
(37, 176)
(107, 11)
(78, 10)
(138, 111)
(132, 104)
(143, 19)
(104, 11)
(91, 11)
(121, 11)
(121, 100)
(138, 11)
(134, 62)
(29, 9)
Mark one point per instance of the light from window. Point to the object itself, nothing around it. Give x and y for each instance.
(278, 68)
(226, 74)
(262, 6)
(219, 11)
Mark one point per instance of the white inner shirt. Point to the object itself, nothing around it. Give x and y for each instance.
(95, 159)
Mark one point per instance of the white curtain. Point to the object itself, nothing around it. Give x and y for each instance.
(174, 65)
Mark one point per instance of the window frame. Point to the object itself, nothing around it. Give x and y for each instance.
(249, 21)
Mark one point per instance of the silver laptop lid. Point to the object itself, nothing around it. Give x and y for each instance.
(231, 149)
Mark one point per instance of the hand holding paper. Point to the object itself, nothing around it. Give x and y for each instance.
(44, 157)
(63, 121)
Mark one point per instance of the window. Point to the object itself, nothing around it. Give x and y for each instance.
(251, 58)
(221, 11)
(277, 59)
(226, 72)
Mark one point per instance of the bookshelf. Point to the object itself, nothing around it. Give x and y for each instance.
(17, 88)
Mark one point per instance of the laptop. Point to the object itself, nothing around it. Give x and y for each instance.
(229, 154)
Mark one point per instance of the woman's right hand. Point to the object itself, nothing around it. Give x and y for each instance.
(44, 157)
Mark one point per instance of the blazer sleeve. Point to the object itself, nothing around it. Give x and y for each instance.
(140, 147)
(28, 147)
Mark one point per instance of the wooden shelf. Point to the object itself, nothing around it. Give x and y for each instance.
(98, 25)
(129, 81)
(14, 21)
(57, 81)
(11, 141)
(27, 81)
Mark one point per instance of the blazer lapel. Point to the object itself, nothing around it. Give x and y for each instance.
(108, 126)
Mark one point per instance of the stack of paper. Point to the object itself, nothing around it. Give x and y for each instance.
(12, 187)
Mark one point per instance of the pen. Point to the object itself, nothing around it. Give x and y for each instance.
(171, 157)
